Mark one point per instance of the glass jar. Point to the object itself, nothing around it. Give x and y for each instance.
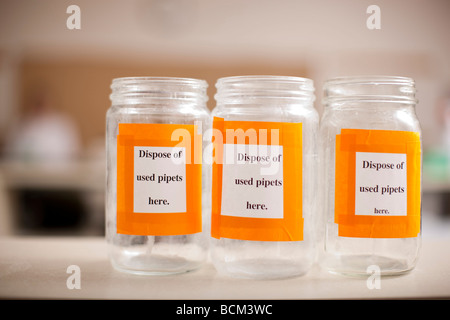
(370, 167)
(264, 176)
(154, 185)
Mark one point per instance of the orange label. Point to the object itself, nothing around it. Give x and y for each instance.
(377, 183)
(158, 179)
(257, 181)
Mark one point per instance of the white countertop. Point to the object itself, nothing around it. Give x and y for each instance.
(36, 268)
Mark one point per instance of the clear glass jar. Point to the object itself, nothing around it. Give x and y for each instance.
(370, 172)
(154, 187)
(264, 176)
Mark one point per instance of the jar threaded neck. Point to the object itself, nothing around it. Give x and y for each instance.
(136, 90)
(370, 89)
(245, 89)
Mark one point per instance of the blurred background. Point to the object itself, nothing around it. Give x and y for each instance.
(55, 83)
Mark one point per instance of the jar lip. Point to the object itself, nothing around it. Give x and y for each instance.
(266, 78)
(247, 89)
(370, 79)
(158, 80)
(369, 88)
(138, 90)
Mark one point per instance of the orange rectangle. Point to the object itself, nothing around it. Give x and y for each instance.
(289, 136)
(354, 224)
(132, 135)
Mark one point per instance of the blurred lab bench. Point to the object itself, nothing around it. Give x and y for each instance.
(37, 198)
(53, 197)
(38, 268)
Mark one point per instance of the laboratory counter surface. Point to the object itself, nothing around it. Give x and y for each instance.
(52, 267)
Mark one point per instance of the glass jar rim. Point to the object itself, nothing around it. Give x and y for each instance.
(369, 88)
(159, 80)
(367, 79)
(135, 90)
(278, 78)
(239, 89)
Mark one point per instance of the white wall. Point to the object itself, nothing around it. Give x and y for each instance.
(329, 35)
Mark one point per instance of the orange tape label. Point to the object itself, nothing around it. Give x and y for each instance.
(377, 185)
(158, 181)
(257, 181)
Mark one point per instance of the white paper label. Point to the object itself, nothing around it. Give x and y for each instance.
(252, 181)
(380, 184)
(159, 179)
